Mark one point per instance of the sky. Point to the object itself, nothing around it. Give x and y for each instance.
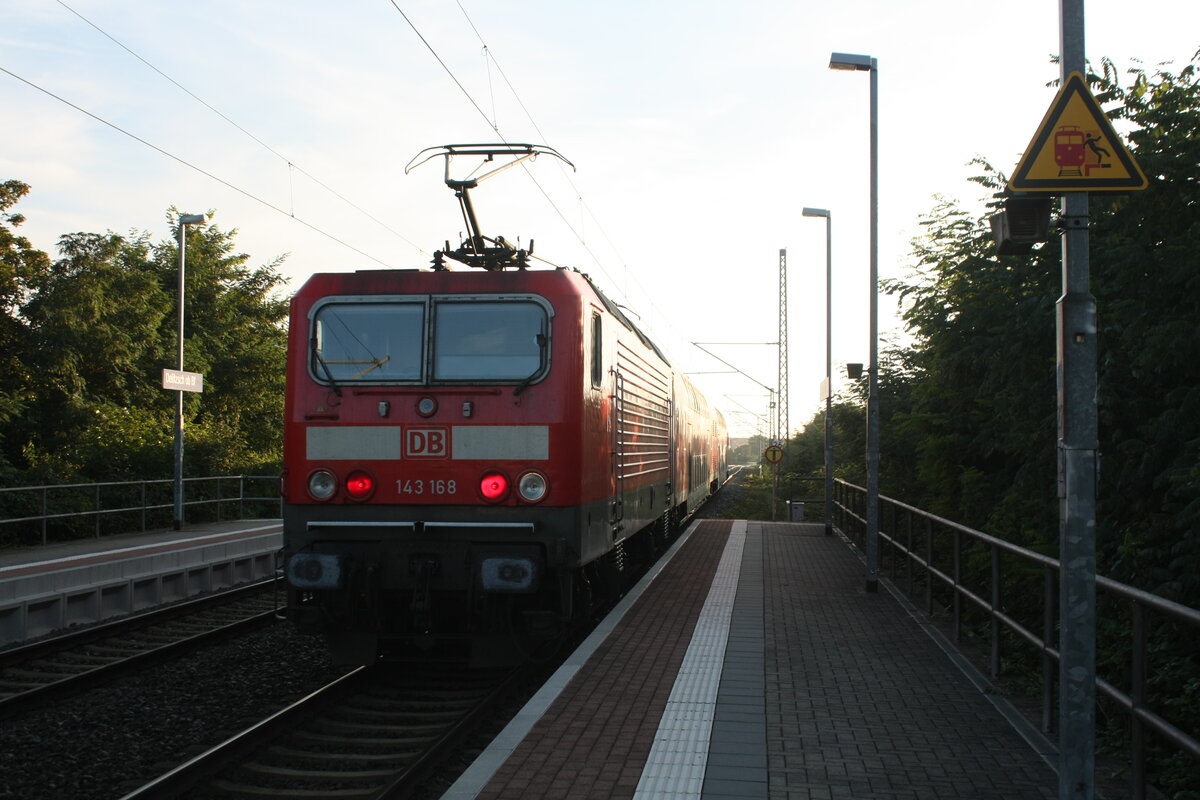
(698, 132)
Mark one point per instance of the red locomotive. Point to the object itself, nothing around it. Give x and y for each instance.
(1068, 150)
(470, 457)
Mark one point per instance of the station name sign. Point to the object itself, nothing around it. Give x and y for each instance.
(180, 381)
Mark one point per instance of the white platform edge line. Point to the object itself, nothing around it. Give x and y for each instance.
(476, 777)
(679, 756)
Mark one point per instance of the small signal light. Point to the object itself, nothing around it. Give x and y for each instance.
(493, 486)
(359, 485)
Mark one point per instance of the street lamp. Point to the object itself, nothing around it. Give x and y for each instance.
(184, 221)
(824, 212)
(848, 61)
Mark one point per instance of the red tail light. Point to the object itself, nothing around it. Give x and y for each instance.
(493, 486)
(359, 485)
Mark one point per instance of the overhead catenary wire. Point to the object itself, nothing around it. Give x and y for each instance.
(585, 210)
(491, 56)
(495, 128)
(657, 313)
(290, 164)
(191, 166)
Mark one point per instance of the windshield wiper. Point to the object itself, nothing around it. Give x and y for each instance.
(328, 372)
(376, 364)
(541, 342)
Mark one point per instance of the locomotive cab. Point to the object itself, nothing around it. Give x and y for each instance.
(418, 441)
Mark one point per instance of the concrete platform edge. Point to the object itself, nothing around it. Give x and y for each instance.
(52, 594)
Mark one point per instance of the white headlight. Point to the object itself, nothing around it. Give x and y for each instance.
(322, 484)
(532, 486)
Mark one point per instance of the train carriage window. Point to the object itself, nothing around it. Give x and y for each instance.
(368, 342)
(489, 341)
(597, 351)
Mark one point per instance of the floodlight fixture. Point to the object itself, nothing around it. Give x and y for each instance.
(851, 61)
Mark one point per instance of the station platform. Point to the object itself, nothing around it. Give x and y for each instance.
(752, 663)
(45, 589)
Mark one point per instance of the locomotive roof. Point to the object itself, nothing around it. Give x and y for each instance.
(337, 281)
(615, 310)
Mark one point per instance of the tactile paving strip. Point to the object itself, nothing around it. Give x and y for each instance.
(679, 755)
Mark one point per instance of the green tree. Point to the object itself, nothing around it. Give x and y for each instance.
(235, 333)
(100, 324)
(20, 264)
(94, 319)
(1146, 262)
(981, 417)
(980, 421)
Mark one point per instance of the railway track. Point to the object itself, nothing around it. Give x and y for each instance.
(372, 733)
(43, 672)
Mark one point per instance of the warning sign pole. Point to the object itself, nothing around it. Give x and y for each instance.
(1077, 469)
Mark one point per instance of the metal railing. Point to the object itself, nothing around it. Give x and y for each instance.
(952, 558)
(31, 515)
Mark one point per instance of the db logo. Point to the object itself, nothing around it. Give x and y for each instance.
(425, 443)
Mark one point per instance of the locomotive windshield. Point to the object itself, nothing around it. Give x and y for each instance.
(369, 341)
(421, 340)
(487, 341)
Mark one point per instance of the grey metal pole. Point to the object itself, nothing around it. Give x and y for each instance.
(828, 383)
(873, 378)
(1078, 446)
(184, 221)
(850, 61)
(179, 393)
(828, 373)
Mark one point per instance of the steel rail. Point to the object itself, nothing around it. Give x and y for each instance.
(101, 673)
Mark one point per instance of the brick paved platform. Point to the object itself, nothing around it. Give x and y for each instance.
(752, 665)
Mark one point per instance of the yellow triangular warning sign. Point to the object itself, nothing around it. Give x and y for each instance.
(1076, 149)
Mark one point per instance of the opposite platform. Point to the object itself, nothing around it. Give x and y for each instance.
(45, 589)
(753, 665)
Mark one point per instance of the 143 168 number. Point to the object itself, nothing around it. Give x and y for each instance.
(431, 487)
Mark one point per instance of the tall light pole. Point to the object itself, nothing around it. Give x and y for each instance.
(184, 221)
(828, 388)
(848, 61)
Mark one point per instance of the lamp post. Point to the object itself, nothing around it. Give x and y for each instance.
(824, 212)
(848, 61)
(184, 221)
